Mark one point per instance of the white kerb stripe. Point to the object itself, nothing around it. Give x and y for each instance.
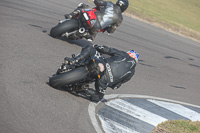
(111, 126)
(136, 112)
(178, 109)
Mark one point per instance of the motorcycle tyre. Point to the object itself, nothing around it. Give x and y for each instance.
(61, 80)
(61, 28)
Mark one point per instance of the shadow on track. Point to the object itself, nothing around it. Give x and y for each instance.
(81, 94)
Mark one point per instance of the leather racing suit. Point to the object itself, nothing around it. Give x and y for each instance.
(119, 68)
(109, 16)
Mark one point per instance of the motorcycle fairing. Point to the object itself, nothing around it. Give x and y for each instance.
(90, 16)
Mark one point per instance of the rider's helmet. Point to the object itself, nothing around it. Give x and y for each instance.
(123, 4)
(134, 55)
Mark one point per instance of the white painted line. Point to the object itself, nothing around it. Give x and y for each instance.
(92, 106)
(136, 112)
(178, 109)
(112, 96)
(113, 127)
(92, 114)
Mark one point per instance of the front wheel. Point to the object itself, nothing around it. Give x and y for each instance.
(61, 80)
(62, 28)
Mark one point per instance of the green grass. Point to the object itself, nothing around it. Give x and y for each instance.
(177, 12)
(181, 16)
(178, 126)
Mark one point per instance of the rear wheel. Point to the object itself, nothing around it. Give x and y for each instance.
(61, 80)
(61, 28)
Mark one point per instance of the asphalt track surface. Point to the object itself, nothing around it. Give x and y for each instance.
(169, 67)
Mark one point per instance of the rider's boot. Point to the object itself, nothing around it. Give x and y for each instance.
(90, 92)
(94, 95)
(88, 37)
(72, 15)
(76, 12)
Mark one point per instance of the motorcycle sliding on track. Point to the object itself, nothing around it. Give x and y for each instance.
(76, 28)
(75, 78)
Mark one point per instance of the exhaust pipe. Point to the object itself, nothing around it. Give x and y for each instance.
(81, 30)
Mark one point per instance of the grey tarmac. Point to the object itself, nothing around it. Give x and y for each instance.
(169, 67)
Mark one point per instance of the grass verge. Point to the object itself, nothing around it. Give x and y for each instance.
(179, 16)
(178, 126)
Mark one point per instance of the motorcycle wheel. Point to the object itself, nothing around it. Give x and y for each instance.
(61, 28)
(61, 80)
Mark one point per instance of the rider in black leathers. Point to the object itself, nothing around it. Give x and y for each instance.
(109, 16)
(118, 68)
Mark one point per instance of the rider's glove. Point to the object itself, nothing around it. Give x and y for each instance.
(95, 46)
(98, 47)
(111, 29)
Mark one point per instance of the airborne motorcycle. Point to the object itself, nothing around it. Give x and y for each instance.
(76, 78)
(77, 27)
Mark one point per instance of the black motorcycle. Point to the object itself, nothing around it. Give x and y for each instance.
(76, 77)
(77, 27)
